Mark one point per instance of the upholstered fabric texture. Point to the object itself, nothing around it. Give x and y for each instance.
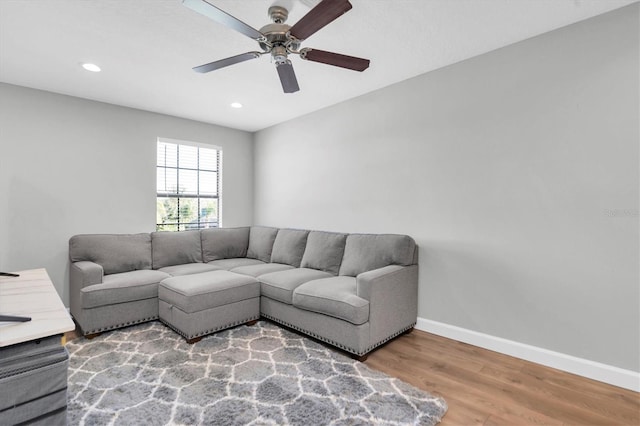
(200, 323)
(365, 252)
(114, 252)
(289, 246)
(235, 262)
(265, 268)
(108, 317)
(324, 251)
(86, 273)
(189, 268)
(387, 288)
(261, 240)
(280, 285)
(175, 248)
(224, 243)
(123, 287)
(335, 296)
(193, 293)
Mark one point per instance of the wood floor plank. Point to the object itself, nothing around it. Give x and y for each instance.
(433, 372)
(505, 390)
(584, 394)
(523, 383)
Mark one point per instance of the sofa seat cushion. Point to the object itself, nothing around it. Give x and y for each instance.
(189, 268)
(194, 293)
(335, 296)
(123, 287)
(257, 270)
(229, 264)
(280, 285)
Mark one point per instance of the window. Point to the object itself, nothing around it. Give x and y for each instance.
(188, 186)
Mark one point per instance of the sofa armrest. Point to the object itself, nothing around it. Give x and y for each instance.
(82, 274)
(392, 292)
(86, 273)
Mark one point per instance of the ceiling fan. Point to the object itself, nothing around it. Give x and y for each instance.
(280, 40)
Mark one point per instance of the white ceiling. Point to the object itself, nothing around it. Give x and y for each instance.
(146, 49)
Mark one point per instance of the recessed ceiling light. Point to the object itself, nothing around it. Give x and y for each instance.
(91, 67)
(236, 105)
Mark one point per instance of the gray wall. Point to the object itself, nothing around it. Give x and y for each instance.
(515, 171)
(71, 166)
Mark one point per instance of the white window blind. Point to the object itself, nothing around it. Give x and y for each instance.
(188, 187)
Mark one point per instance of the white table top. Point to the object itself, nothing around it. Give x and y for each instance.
(32, 294)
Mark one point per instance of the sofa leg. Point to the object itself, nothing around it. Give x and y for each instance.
(250, 323)
(361, 358)
(92, 335)
(194, 340)
(408, 331)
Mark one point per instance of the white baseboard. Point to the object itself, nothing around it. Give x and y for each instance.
(593, 370)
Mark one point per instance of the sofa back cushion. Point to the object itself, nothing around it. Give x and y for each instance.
(115, 253)
(175, 248)
(288, 247)
(365, 252)
(261, 240)
(324, 251)
(224, 243)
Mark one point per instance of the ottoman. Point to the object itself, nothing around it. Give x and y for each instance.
(200, 304)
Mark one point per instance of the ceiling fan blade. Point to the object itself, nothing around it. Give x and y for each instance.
(212, 66)
(222, 17)
(324, 13)
(335, 59)
(287, 77)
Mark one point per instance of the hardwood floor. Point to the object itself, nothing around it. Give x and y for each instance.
(483, 387)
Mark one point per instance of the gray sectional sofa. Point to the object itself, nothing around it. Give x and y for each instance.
(354, 291)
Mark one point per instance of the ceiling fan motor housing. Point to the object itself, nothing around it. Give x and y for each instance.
(276, 34)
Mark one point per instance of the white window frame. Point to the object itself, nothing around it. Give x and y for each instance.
(179, 224)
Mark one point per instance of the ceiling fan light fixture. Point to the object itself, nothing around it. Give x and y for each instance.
(236, 105)
(279, 54)
(91, 67)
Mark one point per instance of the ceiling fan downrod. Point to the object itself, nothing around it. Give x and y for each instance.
(278, 14)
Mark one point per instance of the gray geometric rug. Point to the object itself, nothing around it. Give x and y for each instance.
(259, 375)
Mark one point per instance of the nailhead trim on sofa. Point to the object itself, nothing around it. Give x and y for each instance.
(124, 324)
(339, 345)
(314, 335)
(372, 347)
(213, 330)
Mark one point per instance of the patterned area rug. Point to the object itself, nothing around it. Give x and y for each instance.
(259, 375)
